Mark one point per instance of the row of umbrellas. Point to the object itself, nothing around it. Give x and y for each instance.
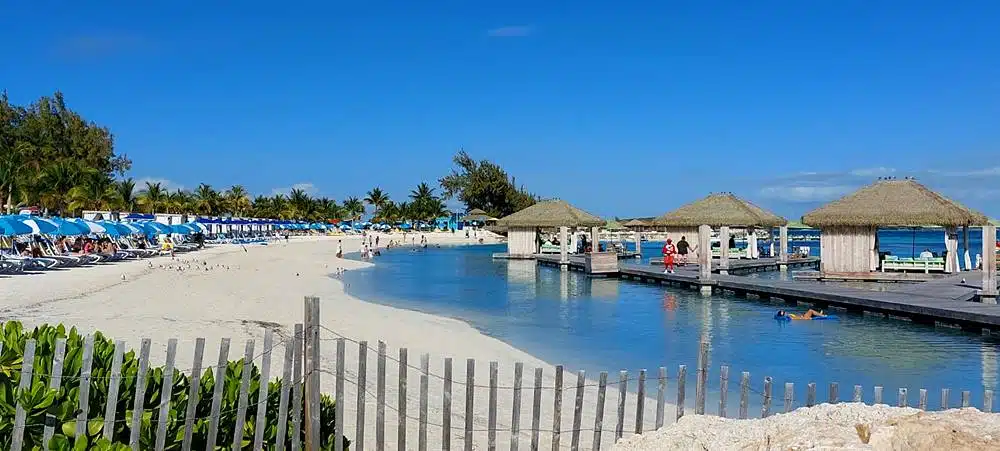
(27, 225)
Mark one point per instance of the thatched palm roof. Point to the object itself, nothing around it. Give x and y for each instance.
(720, 209)
(552, 213)
(613, 225)
(637, 223)
(995, 222)
(797, 225)
(888, 203)
(478, 215)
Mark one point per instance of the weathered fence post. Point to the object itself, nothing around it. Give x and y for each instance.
(557, 408)
(241, 406)
(745, 395)
(84, 407)
(27, 367)
(359, 428)
(286, 384)
(139, 403)
(858, 395)
(491, 437)
(640, 402)
(194, 394)
(702, 382)
(945, 405)
(622, 393)
(661, 396)
(922, 403)
(111, 407)
(766, 409)
(54, 383)
(380, 398)
(578, 411)
(298, 386)
(789, 396)
(470, 392)
(988, 401)
(338, 407)
(602, 387)
(877, 395)
(901, 402)
(515, 414)
(312, 374)
(681, 380)
(834, 395)
(262, 391)
(401, 400)
(811, 394)
(165, 391)
(723, 389)
(425, 368)
(446, 408)
(966, 396)
(536, 409)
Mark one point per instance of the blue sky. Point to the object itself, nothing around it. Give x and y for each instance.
(622, 108)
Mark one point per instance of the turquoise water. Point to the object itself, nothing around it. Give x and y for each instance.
(609, 324)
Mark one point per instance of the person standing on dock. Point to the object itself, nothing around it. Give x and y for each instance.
(682, 251)
(669, 250)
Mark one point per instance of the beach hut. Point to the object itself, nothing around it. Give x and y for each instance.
(849, 225)
(522, 227)
(722, 211)
(637, 224)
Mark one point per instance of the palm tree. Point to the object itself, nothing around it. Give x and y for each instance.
(377, 198)
(354, 207)
(237, 200)
(423, 192)
(126, 194)
(152, 198)
(206, 200)
(96, 192)
(179, 201)
(280, 207)
(14, 166)
(300, 203)
(260, 207)
(56, 181)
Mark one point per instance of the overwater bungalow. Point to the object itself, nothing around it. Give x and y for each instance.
(721, 211)
(523, 227)
(849, 226)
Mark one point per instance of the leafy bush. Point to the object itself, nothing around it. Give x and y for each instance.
(63, 404)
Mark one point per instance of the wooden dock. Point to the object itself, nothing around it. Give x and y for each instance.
(946, 300)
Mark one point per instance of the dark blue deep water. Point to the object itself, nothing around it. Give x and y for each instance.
(607, 324)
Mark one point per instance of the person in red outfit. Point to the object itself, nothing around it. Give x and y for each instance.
(669, 250)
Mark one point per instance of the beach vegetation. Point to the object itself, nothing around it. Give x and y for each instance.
(486, 186)
(40, 402)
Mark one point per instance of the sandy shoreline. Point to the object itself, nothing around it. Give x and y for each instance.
(227, 291)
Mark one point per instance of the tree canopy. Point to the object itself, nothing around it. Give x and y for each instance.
(486, 186)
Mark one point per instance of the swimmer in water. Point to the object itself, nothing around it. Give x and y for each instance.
(807, 315)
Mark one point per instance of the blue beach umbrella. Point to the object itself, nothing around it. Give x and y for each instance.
(115, 228)
(154, 228)
(132, 228)
(12, 226)
(38, 225)
(68, 228)
(90, 226)
(181, 229)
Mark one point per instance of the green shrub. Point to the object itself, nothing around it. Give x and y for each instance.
(40, 401)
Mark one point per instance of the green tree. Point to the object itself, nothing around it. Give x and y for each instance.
(95, 191)
(484, 185)
(58, 178)
(153, 198)
(126, 200)
(377, 199)
(237, 200)
(354, 208)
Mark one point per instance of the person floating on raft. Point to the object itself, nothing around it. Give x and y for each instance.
(811, 314)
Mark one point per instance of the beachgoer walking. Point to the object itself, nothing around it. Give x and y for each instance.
(376, 240)
(340, 248)
(669, 250)
(682, 251)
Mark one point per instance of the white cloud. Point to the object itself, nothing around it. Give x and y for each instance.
(794, 193)
(169, 185)
(308, 187)
(985, 172)
(511, 31)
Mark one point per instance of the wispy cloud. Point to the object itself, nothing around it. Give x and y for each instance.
(169, 185)
(792, 193)
(511, 31)
(873, 172)
(308, 187)
(98, 46)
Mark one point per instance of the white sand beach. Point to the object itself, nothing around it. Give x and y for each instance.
(232, 291)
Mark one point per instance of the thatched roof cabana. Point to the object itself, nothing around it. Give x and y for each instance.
(552, 213)
(635, 223)
(613, 225)
(478, 215)
(894, 203)
(720, 209)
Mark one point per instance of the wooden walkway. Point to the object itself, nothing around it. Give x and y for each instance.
(944, 300)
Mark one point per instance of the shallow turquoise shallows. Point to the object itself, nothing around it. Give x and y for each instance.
(609, 324)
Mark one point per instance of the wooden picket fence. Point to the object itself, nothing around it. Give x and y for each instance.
(301, 381)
